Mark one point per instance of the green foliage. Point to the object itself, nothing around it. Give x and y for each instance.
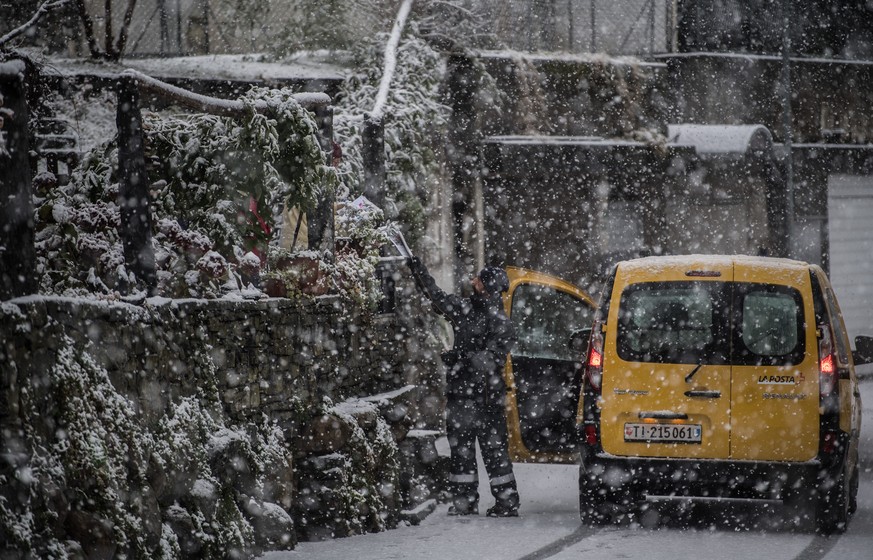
(89, 461)
(100, 459)
(204, 171)
(353, 272)
(370, 477)
(415, 124)
(332, 24)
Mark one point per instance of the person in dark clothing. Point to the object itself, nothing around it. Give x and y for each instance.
(475, 389)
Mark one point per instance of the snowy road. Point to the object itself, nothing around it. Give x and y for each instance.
(549, 528)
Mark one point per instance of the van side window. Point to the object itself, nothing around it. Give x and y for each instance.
(544, 319)
(827, 311)
(842, 342)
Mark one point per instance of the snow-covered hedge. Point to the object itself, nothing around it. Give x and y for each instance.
(98, 473)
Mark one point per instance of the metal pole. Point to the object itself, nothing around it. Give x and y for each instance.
(652, 27)
(179, 26)
(373, 155)
(787, 118)
(135, 228)
(17, 252)
(321, 219)
(593, 26)
(165, 27)
(570, 39)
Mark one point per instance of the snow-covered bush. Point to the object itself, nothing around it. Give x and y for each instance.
(218, 186)
(361, 227)
(146, 491)
(87, 465)
(371, 473)
(415, 121)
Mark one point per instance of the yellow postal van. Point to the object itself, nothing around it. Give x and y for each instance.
(720, 376)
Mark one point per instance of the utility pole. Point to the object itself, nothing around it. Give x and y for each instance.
(787, 119)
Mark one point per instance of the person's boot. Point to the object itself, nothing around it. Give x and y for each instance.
(461, 506)
(502, 510)
(453, 510)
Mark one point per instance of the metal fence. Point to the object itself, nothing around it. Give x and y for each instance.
(616, 27)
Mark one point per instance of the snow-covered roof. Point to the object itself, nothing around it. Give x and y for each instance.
(721, 138)
(580, 58)
(243, 68)
(764, 57)
(594, 141)
(657, 263)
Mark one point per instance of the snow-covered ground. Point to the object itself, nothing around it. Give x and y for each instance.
(549, 527)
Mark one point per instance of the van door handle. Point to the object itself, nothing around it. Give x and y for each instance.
(704, 394)
(663, 415)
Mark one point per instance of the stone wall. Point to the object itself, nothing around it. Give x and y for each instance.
(275, 360)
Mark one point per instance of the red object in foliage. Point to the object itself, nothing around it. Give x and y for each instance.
(253, 208)
(336, 154)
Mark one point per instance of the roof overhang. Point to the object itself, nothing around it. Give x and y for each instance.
(720, 140)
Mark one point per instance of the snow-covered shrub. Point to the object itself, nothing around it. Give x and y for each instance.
(149, 491)
(371, 474)
(89, 462)
(415, 121)
(217, 468)
(204, 515)
(217, 187)
(361, 226)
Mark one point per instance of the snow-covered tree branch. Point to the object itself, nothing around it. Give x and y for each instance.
(43, 9)
(214, 105)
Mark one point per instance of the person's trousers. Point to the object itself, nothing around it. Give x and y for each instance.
(469, 420)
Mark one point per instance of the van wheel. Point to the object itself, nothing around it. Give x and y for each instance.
(853, 490)
(592, 500)
(834, 507)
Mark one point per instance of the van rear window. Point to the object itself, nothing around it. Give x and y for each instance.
(769, 327)
(675, 322)
(711, 323)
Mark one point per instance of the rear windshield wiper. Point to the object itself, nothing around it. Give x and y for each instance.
(693, 371)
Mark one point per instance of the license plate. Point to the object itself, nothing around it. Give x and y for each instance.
(681, 433)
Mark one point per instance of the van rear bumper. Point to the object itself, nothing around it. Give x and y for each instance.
(639, 477)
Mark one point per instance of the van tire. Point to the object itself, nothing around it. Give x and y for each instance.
(591, 501)
(833, 507)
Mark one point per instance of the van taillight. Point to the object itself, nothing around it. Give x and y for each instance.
(829, 442)
(827, 378)
(594, 371)
(591, 434)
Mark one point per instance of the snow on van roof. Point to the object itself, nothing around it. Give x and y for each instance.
(655, 264)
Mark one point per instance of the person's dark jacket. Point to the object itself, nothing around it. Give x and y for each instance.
(484, 336)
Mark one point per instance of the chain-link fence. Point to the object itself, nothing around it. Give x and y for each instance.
(184, 27)
(616, 27)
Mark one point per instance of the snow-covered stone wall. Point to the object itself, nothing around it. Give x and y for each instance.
(210, 399)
